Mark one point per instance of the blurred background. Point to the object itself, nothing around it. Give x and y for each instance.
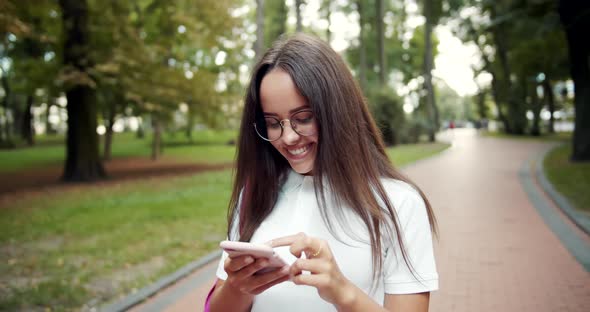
(118, 118)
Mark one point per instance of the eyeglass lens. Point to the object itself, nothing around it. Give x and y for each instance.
(271, 128)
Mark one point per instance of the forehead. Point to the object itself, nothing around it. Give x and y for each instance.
(278, 93)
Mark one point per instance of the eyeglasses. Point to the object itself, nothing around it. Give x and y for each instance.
(271, 128)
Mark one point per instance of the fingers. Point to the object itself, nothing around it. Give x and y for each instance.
(299, 243)
(249, 270)
(313, 247)
(314, 266)
(248, 281)
(237, 263)
(285, 240)
(267, 280)
(315, 280)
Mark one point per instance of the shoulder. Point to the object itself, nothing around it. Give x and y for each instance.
(400, 191)
(406, 200)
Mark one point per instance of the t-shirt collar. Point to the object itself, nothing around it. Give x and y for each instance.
(294, 180)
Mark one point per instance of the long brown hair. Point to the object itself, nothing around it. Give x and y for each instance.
(351, 157)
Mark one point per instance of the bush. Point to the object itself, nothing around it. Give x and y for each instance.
(386, 107)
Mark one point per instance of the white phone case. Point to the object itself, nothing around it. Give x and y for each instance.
(235, 249)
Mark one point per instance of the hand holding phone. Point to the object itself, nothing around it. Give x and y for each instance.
(236, 249)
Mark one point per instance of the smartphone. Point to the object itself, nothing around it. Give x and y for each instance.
(235, 249)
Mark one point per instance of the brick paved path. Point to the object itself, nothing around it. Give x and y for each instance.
(494, 253)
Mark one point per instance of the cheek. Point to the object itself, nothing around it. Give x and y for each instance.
(275, 145)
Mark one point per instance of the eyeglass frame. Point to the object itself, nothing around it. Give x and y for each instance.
(283, 126)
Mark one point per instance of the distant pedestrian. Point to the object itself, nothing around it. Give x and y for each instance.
(313, 174)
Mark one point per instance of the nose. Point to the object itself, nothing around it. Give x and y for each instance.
(289, 135)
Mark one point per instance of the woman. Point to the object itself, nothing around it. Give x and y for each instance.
(313, 180)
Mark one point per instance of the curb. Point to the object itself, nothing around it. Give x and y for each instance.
(579, 219)
(566, 233)
(152, 289)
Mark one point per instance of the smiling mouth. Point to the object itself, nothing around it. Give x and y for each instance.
(298, 152)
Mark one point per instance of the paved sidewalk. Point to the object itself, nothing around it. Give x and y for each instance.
(495, 252)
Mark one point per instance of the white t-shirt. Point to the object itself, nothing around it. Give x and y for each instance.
(297, 211)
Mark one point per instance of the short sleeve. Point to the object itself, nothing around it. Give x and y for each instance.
(234, 235)
(417, 236)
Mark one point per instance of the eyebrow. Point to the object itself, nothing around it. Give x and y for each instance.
(293, 111)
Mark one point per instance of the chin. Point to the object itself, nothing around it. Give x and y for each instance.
(303, 170)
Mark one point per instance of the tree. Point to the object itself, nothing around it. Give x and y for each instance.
(575, 16)
(259, 45)
(362, 68)
(380, 42)
(82, 159)
(275, 21)
(432, 10)
(29, 65)
(326, 8)
(299, 26)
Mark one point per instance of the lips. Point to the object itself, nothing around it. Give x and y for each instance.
(299, 152)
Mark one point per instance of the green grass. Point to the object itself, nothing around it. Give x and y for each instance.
(570, 179)
(88, 246)
(404, 154)
(76, 243)
(207, 146)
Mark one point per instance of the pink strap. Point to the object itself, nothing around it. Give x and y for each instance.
(209, 297)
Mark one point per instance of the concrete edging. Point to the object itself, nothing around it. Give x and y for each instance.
(152, 289)
(579, 219)
(571, 239)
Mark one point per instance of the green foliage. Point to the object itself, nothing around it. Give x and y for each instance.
(518, 41)
(160, 54)
(275, 20)
(389, 115)
(452, 106)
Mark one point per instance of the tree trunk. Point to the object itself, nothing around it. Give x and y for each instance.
(157, 140)
(108, 136)
(574, 16)
(550, 100)
(259, 44)
(328, 4)
(6, 133)
(536, 108)
(48, 127)
(190, 123)
(140, 134)
(299, 26)
(516, 109)
(27, 130)
(82, 154)
(498, 102)
(481, 104)
(380, 43)
(428, 64)
(362, 52)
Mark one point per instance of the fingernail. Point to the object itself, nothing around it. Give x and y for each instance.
(248, 260)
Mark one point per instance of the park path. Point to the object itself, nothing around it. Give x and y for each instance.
(494, 251)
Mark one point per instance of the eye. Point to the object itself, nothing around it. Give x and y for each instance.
(272, 123)
(302, 118)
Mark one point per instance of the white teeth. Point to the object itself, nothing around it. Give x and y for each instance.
(298, 151)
